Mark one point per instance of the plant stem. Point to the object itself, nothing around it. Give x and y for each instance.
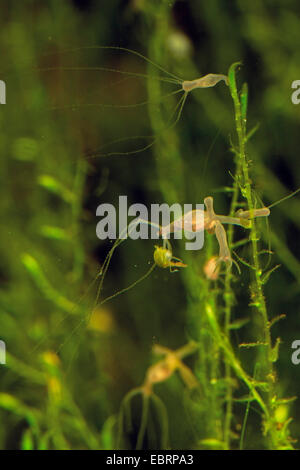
(258, 301)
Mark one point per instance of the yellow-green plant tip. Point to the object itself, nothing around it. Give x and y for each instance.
(231, 76)
(27, 441)
(30, 263)
(55, 233)
(213, 444)
(53, 185)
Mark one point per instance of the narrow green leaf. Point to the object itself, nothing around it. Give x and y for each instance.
(238, 324)
(232, 80)
(55, 233)
(27, 442)
(274, 353)
(265, 276)
(53, 185)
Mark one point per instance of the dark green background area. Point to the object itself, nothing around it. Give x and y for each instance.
(55, 133)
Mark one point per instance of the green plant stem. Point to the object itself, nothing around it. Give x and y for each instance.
(258, 300)
(172, 184)
(229, 302)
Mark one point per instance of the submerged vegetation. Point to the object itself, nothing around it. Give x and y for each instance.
(138, 344)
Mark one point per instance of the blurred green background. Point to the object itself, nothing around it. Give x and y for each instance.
(66, 374)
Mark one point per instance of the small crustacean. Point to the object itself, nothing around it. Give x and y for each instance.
(207, 81)
(164, 258)
(213, 223)
(170, 364)
(182, 87)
